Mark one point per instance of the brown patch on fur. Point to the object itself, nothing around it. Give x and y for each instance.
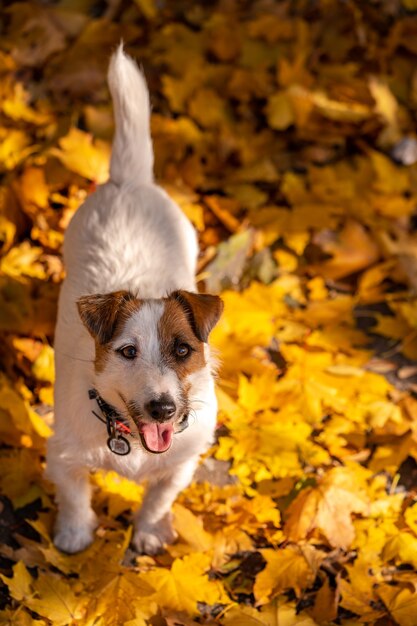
(174, 328)
(203, 311)
(102, 355)
(103, 315)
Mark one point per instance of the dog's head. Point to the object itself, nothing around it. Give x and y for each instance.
(151, 355)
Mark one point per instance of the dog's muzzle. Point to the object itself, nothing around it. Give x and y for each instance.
(156, 437)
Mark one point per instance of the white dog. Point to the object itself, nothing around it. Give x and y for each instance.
(134, 386)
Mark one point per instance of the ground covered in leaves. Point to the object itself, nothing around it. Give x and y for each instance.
(286, 132)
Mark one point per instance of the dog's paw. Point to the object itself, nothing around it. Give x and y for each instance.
(151, 539)
(74, 537)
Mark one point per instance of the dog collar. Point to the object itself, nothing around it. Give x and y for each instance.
(116, 425)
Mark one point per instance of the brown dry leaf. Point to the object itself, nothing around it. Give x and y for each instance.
(352, 250)
(326, 604)
(69, 73)
(34, 33)
(20, 468)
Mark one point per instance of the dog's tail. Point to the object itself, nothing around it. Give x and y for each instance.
(132, 154)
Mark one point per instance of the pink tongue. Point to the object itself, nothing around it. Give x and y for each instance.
(158, 437)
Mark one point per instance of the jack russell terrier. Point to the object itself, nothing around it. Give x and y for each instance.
(134, 387)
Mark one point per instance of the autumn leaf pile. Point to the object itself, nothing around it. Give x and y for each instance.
(287, 133)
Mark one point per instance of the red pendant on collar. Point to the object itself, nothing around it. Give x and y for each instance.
(123, 428)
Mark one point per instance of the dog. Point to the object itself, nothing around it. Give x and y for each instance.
(134, 387)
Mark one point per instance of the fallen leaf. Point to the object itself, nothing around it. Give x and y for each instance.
(285, 569)
(401, 604)
(79, 154)
(185, 584)
(351, 252)
(328, 507)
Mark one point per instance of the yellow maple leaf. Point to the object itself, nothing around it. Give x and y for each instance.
(33, 190)
(19, 469)
(285, 569)
(410, 517)
(243, 616)
(276, 613)
(18, 617)
(390, 178)
(118, 493)
(402, 547)
(14, 147)
(328, 507)
(389, 326)
(23, 260)
(188, 202)
(185, 584)
(401, 603)
(190, 529)
(385, 102)
(79, 154)
(208, 109)
(280, 613)
(18, 415)
(55, 600)
(126, 597)
(20, 584)
(15, 105)
(39, 424)
(358, 595)
(43, 367)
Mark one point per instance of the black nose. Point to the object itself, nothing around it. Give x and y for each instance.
(162, 409)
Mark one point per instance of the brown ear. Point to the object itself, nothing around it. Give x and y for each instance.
(203, 311)
(99, 313)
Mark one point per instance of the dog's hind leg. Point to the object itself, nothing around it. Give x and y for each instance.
(153, 526)
(76, 520)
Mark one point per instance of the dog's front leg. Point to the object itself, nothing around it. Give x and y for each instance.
(76, 520)
(153, 526)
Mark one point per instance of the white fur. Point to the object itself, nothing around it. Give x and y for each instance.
(146, 377)
(130, 159)
(128, 235)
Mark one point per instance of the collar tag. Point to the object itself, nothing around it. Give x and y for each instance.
(118, 445)
(116, 442)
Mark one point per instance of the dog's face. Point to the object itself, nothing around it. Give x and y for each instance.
(150, 355)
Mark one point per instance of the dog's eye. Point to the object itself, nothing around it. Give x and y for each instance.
(182, 350)
(129, 352)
